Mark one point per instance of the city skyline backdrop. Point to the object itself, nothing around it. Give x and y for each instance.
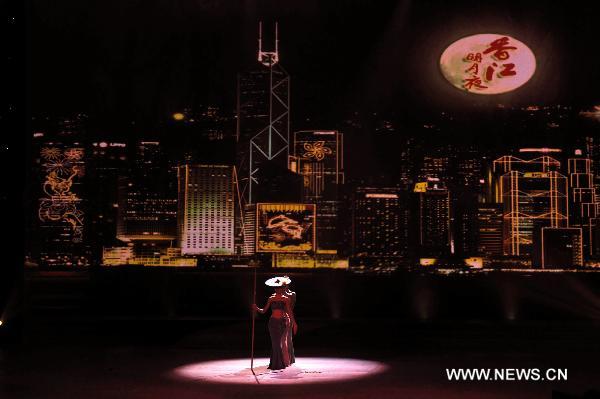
(175, 152)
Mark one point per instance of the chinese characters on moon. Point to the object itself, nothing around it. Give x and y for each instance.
(487, 64)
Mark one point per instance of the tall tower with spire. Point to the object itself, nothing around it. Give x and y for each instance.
(263, 121)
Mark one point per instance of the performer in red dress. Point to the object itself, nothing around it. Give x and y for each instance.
(281, 324)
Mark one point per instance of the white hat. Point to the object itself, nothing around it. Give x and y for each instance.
(278, 281)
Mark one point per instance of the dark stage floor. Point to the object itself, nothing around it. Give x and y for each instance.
(145, 359)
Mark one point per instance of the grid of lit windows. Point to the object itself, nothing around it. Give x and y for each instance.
(206, 209)
(380, 223)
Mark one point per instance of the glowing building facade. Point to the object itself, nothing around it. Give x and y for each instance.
(107, 160)
(584, 204)
(464, 183)
(206, 211)
(433, 217)
(147, 202)
(318, 157)
(58, 230)
(489, 230)
(380, 224)
(534, 195)
(61, 208)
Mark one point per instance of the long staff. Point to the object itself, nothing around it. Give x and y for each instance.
(253, 322)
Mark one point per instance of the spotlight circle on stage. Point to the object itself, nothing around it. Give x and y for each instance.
(306, 370)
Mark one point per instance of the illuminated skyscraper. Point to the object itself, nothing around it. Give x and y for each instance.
(458, 168)
(433, 217)
(465, 186)
(318, 158)
(380, 220)
(59, 236)
(534, 195)
(206, 209)
(489, 230)
(263, 114)
(61, 211)
(107, 160)
(147, 199)
(584, 204)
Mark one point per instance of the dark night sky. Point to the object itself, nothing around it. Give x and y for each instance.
(143, 59)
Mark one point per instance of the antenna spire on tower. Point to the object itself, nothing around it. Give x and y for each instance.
(259, 41)
(268, 58)
(277, 39)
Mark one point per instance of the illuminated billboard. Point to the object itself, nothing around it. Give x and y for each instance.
(285, 227)
(487, 64)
